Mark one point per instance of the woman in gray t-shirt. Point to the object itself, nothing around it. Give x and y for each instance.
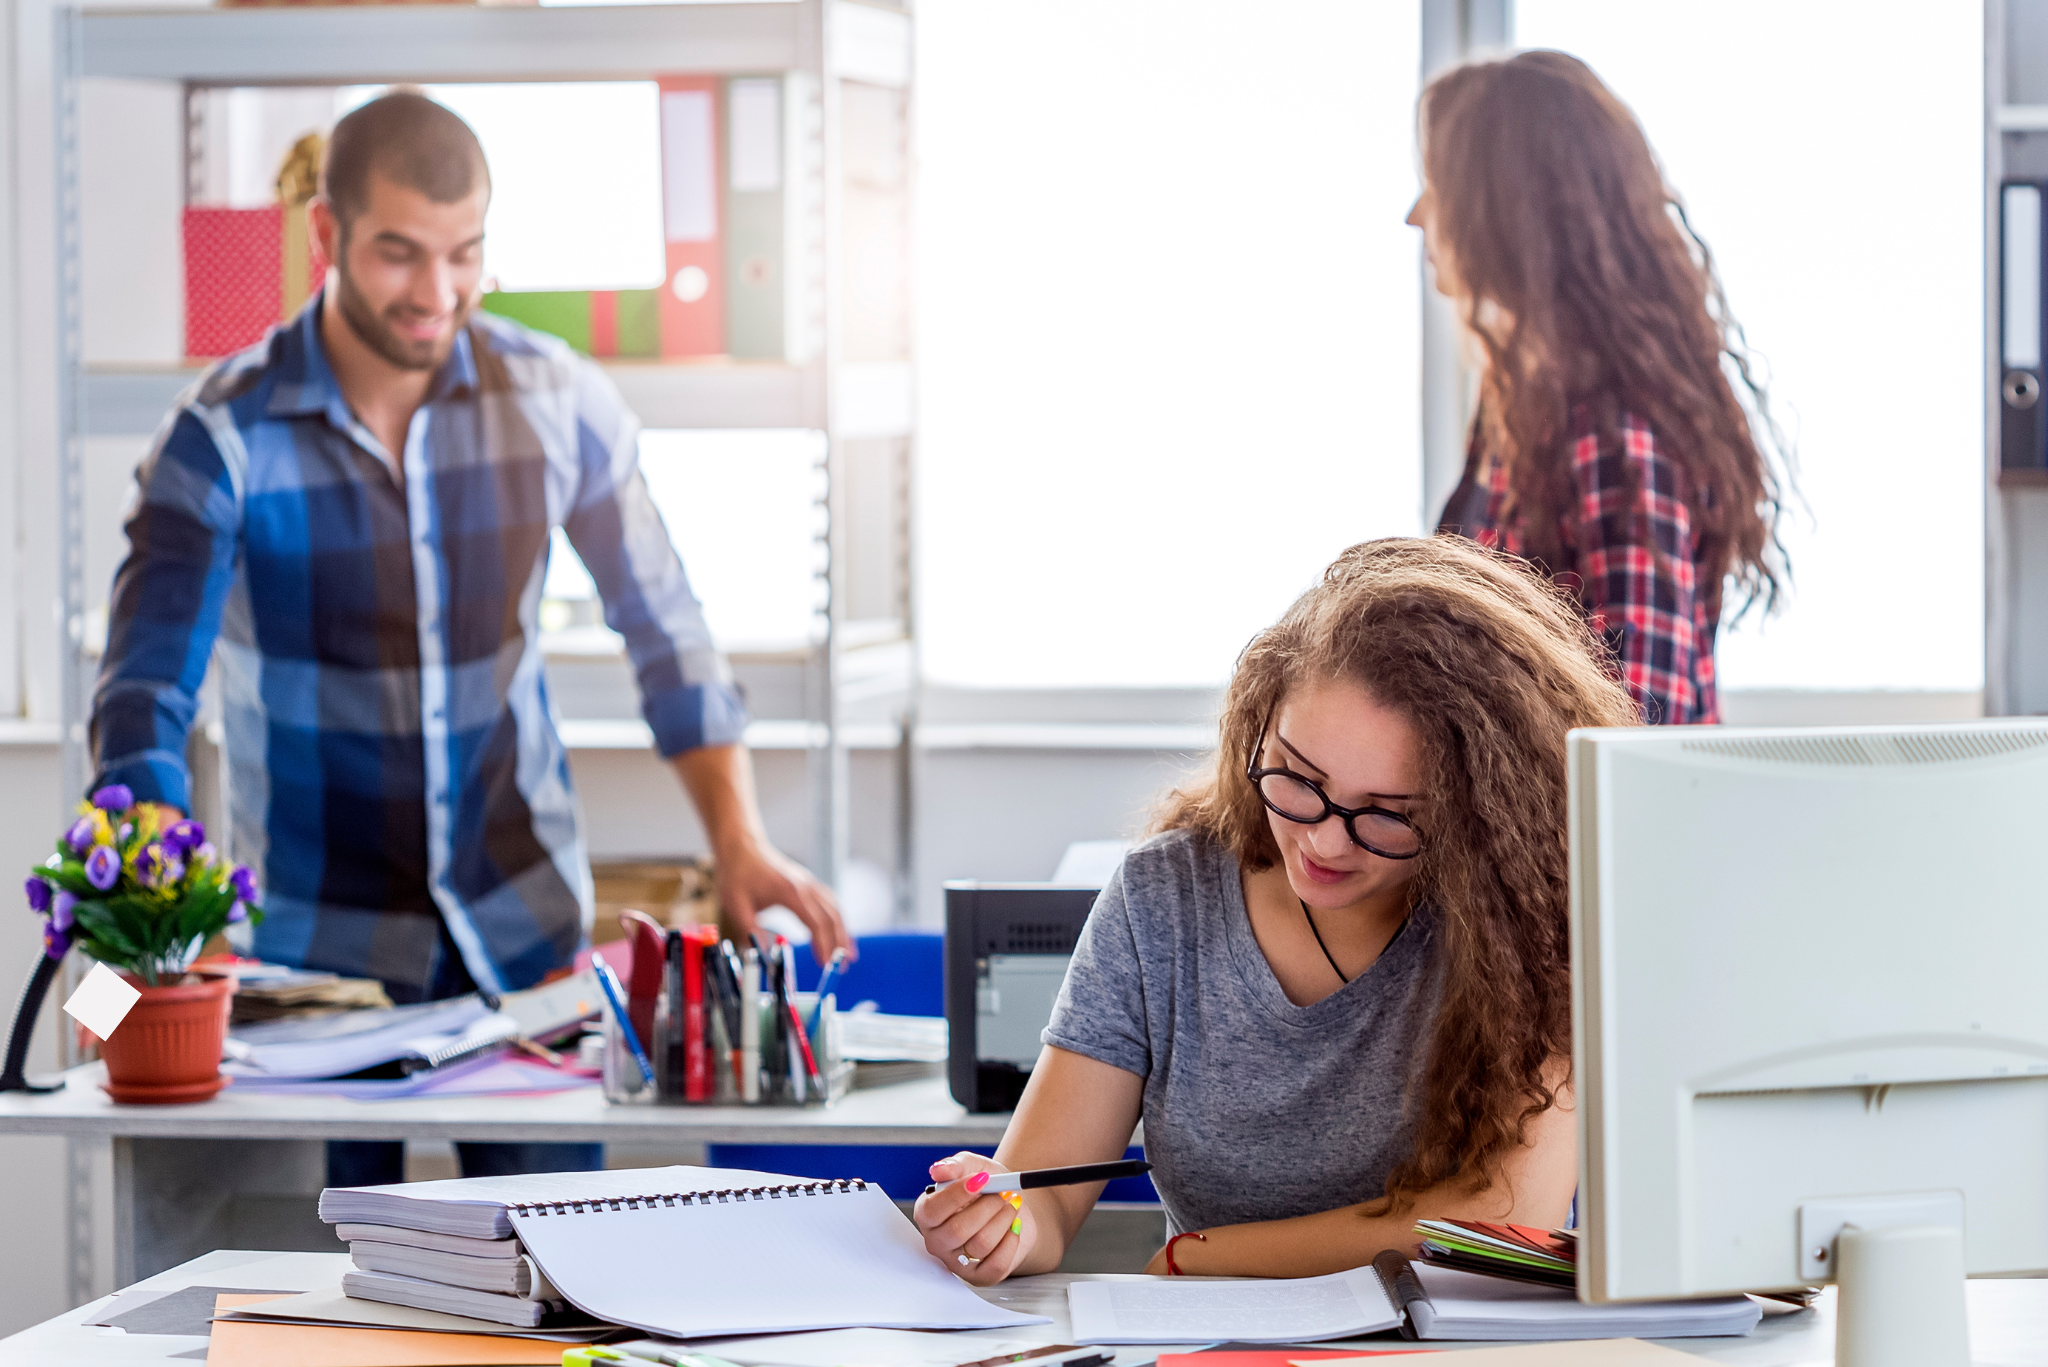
(1335, 988)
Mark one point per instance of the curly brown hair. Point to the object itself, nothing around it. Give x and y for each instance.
(1491, 665)
(1578, 272)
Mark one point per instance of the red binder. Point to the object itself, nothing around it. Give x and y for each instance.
(234, 277)
(693, 212)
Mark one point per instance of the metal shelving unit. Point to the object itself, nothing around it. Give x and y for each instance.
(862, 656)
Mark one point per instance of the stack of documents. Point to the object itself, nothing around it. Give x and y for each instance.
(1422, 1302)
(1547, 1257)
(1522, 1253)
(408, 1038)
(295, 994)
(675, 1251)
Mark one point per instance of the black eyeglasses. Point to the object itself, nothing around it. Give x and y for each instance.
(1373, 829)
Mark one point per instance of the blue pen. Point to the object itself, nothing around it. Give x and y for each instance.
(832, 968)
(609, 982)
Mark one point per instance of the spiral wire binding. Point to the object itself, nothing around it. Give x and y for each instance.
(666, 1200)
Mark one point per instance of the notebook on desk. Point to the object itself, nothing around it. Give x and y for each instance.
(699, 1252)
(1422, 1303)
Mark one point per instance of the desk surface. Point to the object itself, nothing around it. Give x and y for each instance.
(916, 1112)
(2008, 1320)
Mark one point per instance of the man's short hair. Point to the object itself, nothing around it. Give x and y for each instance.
(408, 139)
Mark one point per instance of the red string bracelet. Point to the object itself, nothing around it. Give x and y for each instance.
(1171, 1269)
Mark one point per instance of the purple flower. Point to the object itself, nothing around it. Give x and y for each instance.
(79, 837)
(61, 914)
(237, 913)
(38, 893)
(184, 835)
(206, 853)
(244, 883)
(115, 797)
(55, 942)
(158, 866)
(103, 867)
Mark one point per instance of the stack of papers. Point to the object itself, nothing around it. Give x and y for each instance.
(1522, 1253)
(873, 1037)
(335, 1046)
(1468, 1305)
(674, 1251)
(294, 994)
(1424, 1302)
(1547, 1257)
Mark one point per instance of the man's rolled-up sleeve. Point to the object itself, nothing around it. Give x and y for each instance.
(165, 611)
(686, 690)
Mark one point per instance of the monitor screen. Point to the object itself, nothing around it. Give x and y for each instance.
(1807, 992)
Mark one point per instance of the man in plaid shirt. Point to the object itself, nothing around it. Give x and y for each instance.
(352, 518)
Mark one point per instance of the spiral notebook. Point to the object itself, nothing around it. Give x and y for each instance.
(700, 1253)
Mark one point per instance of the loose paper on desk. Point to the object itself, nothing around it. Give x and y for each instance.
(1297, 1310)
(102, 1001)
(259, 1343)
(1586, 1353)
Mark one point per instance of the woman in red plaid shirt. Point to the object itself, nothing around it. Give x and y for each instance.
(1610, 447)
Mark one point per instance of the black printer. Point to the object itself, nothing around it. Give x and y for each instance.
(1007, 948)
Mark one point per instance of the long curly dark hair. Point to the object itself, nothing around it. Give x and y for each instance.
(1578, 272)
(1492, 665)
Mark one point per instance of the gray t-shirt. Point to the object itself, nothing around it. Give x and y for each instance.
(1254, 1108)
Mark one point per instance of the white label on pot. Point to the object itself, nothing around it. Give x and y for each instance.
(101, 1002)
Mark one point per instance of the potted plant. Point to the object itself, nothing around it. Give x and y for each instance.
(139, 888)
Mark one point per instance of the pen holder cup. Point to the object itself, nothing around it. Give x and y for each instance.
(776, 1081)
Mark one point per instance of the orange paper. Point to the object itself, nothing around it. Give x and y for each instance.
(260, 1343)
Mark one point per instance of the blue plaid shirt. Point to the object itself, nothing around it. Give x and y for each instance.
(393, 763)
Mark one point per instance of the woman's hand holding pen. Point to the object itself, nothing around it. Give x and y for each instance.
(981, 1236)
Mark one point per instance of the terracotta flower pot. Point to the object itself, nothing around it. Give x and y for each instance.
(167, 1049)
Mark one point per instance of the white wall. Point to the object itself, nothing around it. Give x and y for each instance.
(35, 1256)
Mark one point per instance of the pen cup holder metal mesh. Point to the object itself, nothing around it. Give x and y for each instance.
(781, 1075)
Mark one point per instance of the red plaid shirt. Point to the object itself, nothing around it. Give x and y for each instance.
(1637, 577)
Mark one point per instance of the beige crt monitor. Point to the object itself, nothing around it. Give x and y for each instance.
(1810, 993)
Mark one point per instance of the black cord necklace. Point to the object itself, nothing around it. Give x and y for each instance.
(1319, 941)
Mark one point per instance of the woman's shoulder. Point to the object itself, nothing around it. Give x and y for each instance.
(1173, 871)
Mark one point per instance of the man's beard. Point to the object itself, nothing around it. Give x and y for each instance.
(384, 339)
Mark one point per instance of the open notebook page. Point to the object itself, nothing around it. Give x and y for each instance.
(1298, 1310)
(832, 1260)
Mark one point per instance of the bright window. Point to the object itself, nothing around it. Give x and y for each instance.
(742, 510)
(1169, 316)
(1831, 154)
(575, 180)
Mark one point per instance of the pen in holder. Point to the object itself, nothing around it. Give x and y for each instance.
(787, 1051)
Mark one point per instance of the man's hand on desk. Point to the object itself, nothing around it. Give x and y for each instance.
(753, 876)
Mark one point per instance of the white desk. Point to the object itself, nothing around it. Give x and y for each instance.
(2008, 1321)
(918, 1112)
(175, 1194)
